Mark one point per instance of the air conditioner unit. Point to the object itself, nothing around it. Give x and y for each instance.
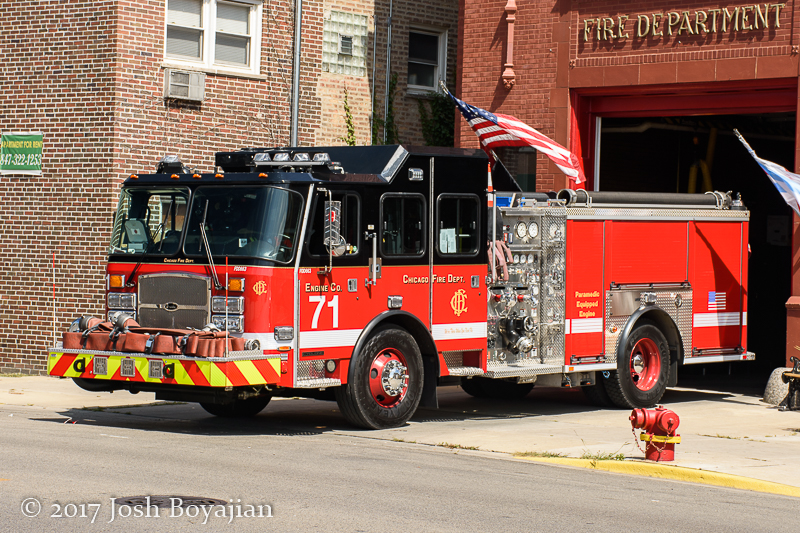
(184, 85)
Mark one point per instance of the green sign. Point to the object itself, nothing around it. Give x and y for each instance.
(21, 153)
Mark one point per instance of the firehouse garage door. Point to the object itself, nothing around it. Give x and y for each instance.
(700, 153)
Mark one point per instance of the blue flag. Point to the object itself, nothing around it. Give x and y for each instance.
(787, 183)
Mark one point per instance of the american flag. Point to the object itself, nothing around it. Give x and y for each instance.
(496, 130)
(716, 301)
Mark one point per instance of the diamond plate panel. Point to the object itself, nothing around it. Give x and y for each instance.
(553, 296)
(311, 376)
(665, 299)
(508, 371)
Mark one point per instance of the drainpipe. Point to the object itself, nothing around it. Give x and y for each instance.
(372, 89)
(388, 68)
(298, 15)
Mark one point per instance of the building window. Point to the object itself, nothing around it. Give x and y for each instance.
(214, 33)
(427, 59)
(344, 44)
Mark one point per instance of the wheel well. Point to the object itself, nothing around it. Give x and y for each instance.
(667, 326)
(423, 338)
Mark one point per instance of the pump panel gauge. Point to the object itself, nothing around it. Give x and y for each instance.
(533, 230)
(522, 230)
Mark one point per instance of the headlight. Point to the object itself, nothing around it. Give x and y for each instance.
(235, 323)
(284, 333)
(235, 304)
(121, 300)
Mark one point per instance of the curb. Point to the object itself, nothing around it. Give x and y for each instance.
(679, 473)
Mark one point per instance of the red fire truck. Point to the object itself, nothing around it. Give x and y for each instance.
(374, 274)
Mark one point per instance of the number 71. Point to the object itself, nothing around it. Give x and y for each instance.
(320, 300)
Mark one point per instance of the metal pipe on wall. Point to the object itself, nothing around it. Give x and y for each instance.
(388, 69)
(298, 16)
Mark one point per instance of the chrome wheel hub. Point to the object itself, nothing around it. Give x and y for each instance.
(638, 363)
(394, 378)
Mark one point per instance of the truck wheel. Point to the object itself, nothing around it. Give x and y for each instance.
(385, 384)
(597, 393)
(642, 371)
(238, 408)
(495, 388)
(472, 386)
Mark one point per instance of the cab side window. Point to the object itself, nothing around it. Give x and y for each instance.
(403, 224)
(349, 224)
(457, 224)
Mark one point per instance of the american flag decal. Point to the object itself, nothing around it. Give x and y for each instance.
(716, 301)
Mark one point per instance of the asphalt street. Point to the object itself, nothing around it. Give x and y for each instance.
(303, 466)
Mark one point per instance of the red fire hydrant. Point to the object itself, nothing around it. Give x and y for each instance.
(658, 430)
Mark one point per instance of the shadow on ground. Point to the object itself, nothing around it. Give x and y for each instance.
(299, 416)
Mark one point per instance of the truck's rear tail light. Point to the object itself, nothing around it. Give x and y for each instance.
(116, 281)
(235, 304)
(121, 300)
(284, 333)
(236, 284)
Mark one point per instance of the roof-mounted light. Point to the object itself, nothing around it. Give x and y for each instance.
(322, 157)
(301, 156)
(261, 156)
(281, 156)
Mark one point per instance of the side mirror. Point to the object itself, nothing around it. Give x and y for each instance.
(334, 241)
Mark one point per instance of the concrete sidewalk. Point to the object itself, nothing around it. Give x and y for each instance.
(724, 432)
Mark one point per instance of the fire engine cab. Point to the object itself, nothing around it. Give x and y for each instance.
(374, 274)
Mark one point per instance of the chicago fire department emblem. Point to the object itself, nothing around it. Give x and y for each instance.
(459, 302)
(260, 287)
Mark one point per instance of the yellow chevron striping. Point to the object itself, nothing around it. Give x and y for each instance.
(250, 372)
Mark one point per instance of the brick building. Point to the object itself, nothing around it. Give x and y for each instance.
(648, 94)
(93, 76)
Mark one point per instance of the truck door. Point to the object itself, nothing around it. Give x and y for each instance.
(458, 287)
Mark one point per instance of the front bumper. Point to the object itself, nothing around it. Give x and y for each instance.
(237, 370)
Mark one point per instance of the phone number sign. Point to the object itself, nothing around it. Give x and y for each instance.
(21, 153)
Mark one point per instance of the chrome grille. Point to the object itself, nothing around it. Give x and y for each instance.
(174, 300)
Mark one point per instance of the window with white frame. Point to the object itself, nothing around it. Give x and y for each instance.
(215, 34)
(427, 59)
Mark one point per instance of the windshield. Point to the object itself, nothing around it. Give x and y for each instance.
(245, 221)
(149, 219)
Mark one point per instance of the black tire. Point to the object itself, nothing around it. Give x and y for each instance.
(497, 389)
(597, 393)
(238, 408)
(631, 389)
(391, 358)
(472, 386)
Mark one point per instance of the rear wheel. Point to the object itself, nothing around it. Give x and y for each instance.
(597, 393)
(642, 370)
(497, 389)
(385, 382)
(238, 408)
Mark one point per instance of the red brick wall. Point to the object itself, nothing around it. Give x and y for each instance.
(482, 56)
(90, 75)
(57, 77)
(551, 58)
